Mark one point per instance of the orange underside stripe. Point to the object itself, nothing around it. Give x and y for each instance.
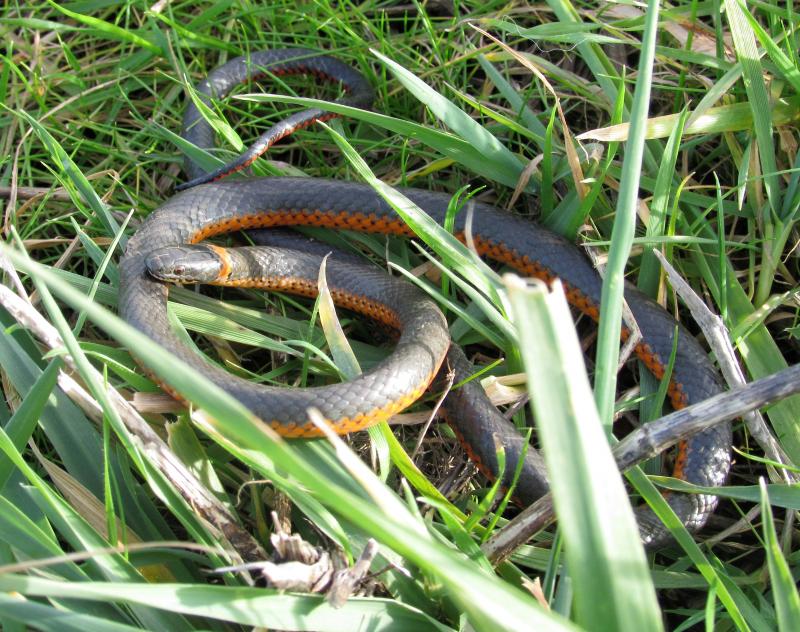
(372, 223)
(372, 309)
(525, 265)
(358, 422)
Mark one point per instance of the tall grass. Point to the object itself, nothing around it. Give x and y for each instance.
(577, 113)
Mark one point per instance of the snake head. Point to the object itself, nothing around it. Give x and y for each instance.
(187, 264)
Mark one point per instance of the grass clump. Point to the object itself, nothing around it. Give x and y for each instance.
(674, 130)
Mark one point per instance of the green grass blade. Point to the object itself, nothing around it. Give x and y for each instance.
(390, 523)
(184, 442)
(724, 118)
(605, 557)
(456, 119)
(784, 586)
(778, 57)
(37, 616)
(717, 91)
(35, 541)
(557, 32)
(610, 326)
(734, 601)
(511, 95)
(787, 496)
(24, 421)
(450, 145)
(601, 67)
(347, 363)
(86, 193)
(257, 607)
(102, 85)
(454, 253)
(65, 426)
(761, 354)
(152, 473)
(753, 74)
(111, 31)
(650, 268)
(478, 298)
(341, 351)
(73, 528)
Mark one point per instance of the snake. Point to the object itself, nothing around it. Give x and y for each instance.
(169, 246)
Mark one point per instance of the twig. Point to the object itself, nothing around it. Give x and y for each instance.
(655, 437)
(652, 439)
(451, 375)
(148, 442)
(347, 580)
(528, 522)
(717, 336)
(26, 193)
(745, 523)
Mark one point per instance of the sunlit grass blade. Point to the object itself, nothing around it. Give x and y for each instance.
(557, 32)
(734, 601)
(184, 442)
(24, 421)
(448, 144)
(93, 94)
(610, 324)
(226, 418)
(443, 243)
(760, 352)
(605, 557)
(217, 122)
(38, 616)
(413, 475)
(243, 605)
(73, 437)
(191, 35)
(778, 57)
(753, 74)
(650, 271)
(36, 541)
(514, 99)
(497, 116)
(455, 118)
(717, 91)
(347, 363)
(104, 263)
(784, 585)
(109, 30)
(479, 299)
(76, 183)
(592, 54)
(787, 496)
(74, 529)
(724, 118)
(144, 461)
(341, 351)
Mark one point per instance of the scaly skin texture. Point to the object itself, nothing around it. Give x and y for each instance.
(220, 207)
(264, 202)
(290, 61)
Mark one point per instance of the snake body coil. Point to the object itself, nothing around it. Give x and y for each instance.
(219, 207)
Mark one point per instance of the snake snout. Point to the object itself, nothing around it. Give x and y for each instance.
(185, 264)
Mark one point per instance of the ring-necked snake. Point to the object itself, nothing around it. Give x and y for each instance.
(219, 207)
